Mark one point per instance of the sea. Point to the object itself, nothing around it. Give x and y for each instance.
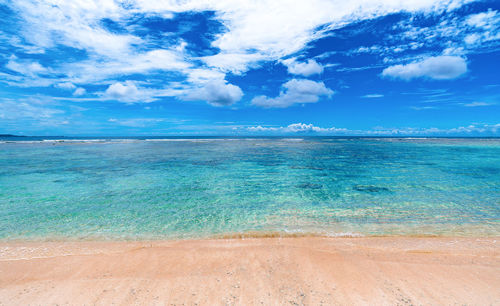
(153, 188)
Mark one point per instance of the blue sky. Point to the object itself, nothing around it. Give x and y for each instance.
(145, 67)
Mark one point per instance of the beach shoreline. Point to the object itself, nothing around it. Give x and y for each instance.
(290, 270)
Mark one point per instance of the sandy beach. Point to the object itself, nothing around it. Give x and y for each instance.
(256, 271)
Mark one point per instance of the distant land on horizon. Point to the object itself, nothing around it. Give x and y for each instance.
(11, 135)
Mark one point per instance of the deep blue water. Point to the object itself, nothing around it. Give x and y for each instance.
(145, 188)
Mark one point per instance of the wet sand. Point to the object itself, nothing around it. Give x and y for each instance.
(257, 271)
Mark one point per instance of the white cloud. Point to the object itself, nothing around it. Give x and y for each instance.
(274, 29)
(235, 62)
(75, 24)
(458, 35)
(13, 110)
(442, 67)
(486, 20)
(79, 91)
(307, 128)
(260, 128)
(127, 92)
(296, 128)
(254, 31)
(201, 76)
(122, 90)
(477, 103)
(295, 91)
(306, 69)
(472, 38)
(65, 85)
(140, 63)
(487, 26)
(372, 96)
(419, 108)
(462, 130)
(136, 122)
(473, 129)
(216, 92)
(25, 67)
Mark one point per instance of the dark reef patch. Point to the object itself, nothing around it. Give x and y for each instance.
(370, 188)
(310, 186)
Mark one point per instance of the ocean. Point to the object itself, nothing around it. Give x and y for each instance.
(188, 188)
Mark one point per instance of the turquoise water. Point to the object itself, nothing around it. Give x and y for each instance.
(195, 188)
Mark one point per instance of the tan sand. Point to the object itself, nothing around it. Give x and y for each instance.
(268, 271)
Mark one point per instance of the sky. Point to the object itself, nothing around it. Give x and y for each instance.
(259, 67)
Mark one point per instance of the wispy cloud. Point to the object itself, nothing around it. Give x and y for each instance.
(372, 96)
(477, 103)
(419, 108)
(136, 122)
(12, 110)
(303, 68)
(439, 68)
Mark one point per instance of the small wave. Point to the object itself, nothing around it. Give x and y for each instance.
(285, 234)
(92, 140)
(188, 139)
(293, 139)
(176, 140)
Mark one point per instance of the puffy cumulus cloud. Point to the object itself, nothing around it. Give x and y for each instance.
(127, 92)
(306, 68)
(216, 92)
(122, 90)
(79, 91)
(295, 91)
(308, 128)
(442, 67)
(296, 128)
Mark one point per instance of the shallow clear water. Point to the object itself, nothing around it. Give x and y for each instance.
(174, 188)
